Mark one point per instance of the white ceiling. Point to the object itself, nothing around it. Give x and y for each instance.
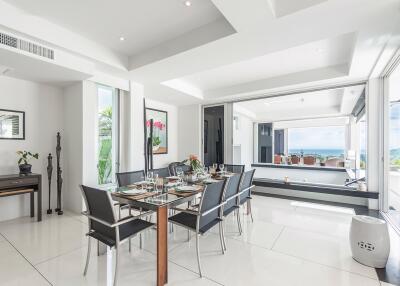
(318, 104)
(143, 24)
(216, 49)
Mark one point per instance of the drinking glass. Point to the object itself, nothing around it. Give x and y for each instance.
(221, 168)
(179, 173)
(215, 166)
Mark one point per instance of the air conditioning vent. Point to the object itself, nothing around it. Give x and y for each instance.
(26, 46)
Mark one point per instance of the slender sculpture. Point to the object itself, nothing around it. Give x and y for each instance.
(49, 174)
(59, 178)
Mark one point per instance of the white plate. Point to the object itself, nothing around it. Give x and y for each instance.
(173, 178)
(171, 184)
(187, 188)
(210, 181)
(141, 183)
(134, 192)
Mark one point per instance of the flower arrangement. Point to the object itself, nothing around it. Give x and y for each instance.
(193, 162)
(157, 127)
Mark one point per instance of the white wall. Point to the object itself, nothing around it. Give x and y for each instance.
(72, 146)
(189, 131)
(244, 137)
(44, 117)
(136, 146)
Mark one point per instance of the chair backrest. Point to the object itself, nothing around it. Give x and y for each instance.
(294, 159)
(247, 182)
(234, 168)
(129, 178)
(99, 205)
(162, 172)
(332, 162)
(309, 160)
(211, 198)
(172, 168)
(232, 188)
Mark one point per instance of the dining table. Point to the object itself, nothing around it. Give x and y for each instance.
(160, 199)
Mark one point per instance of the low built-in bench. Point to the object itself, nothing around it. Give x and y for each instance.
(311, 182)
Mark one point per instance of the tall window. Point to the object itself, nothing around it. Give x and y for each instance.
(108, 134)
(362, 148)
(322, 142)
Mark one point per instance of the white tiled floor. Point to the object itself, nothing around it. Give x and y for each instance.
(286, 245)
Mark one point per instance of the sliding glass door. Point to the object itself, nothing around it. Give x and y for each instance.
(108, 137)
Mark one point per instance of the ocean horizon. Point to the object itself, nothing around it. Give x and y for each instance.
(322, 152)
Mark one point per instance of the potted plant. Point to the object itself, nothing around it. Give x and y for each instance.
(193, 162)
(25, 157)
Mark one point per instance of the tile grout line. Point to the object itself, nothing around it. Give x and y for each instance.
(276, 240)
(329, 266)
(33, 266)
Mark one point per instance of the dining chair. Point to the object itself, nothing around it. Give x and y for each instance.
(234, 168)
(129, 178)
(309, 160)
(103, 225)
(126, 179)
(173, 166)
(231, 195)
(245, 191)
(205, 217)
(161, 172)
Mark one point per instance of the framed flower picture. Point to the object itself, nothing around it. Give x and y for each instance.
(160, 129)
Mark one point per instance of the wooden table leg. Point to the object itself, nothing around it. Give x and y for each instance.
(162, 246)
(32, 195)
(39, 200)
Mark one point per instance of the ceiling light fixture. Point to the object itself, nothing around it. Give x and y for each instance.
(188, 3)
(121, 39)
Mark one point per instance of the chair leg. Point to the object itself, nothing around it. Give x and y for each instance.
(221, 238)
(130, 245)
(198, 253)
(98, 248)
(251, 211)
(116, 264)
(238, 221)
(223, 235)
(188, 235)
(87, 256)
(140, 241)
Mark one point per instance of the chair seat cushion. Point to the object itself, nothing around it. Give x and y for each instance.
(190, 220)
(125, 230)
(229, 210)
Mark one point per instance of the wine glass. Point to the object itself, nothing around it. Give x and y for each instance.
(221, 168)
(179, 173)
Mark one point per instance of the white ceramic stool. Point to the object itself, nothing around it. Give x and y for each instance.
(369, 241)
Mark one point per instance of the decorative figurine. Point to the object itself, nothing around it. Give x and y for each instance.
(49, 173)
(59, 178)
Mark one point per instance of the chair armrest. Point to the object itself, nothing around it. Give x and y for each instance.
(118, 223)
(97, 219)
(186, 211)
(213, 209)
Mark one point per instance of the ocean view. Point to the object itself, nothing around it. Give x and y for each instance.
(320, 152)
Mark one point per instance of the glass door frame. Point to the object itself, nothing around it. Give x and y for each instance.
(393, 64)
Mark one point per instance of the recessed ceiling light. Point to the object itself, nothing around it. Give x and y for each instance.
(188, 3)
(121, 39)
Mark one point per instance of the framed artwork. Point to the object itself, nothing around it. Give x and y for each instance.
(160, 129)
(12, 124)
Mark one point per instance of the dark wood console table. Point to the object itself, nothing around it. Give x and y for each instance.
(12, 185)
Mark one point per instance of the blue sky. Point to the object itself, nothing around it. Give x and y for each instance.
(395, 126)
(331, 137)
(105, 95)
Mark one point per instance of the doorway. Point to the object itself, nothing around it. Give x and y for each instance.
(213, 144)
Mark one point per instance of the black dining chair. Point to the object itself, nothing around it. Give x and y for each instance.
(245, 191)
(173, 166)
(234, 168)
(103, 225)
(126, 179)
(129, 178)
(205, 217)
(161, 172)
(231, 197)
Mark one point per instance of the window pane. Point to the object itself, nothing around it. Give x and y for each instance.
(105, 140)
(323, 142)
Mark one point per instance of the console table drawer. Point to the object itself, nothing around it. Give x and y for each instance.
(18, 182)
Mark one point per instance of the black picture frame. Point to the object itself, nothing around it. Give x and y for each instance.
(23, 124)
(166, 129)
